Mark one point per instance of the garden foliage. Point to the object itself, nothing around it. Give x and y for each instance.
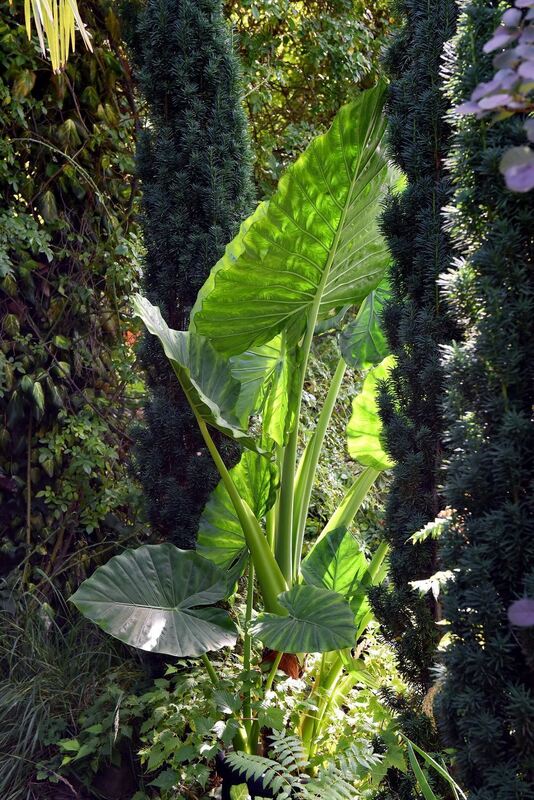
(245, 356)
(487, 705)
(68, 260)
(302, 60)
(416, 327)
(194, 164)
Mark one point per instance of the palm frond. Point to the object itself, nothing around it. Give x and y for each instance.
(55, 24)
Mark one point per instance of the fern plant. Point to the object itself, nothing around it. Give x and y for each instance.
(285, 773)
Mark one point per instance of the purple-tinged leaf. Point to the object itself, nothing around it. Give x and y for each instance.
(495, 101)
(467, 108)
(511, 18)
(500, 39)
(521, 613)
(527, 37)
(506, 59)
(524, 50)
(485, 88)
(506, 78)
(520, 179)
(524, 3)
(526, 70)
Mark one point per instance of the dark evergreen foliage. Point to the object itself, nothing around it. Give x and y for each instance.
(194, 164)
(487, 705)
(416, 326)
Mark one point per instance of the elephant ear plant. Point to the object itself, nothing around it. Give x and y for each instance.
(314, 248)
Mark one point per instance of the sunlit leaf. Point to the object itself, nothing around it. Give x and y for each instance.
(317, 240)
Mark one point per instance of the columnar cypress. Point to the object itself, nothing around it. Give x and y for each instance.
(416, 325)
(194, 165)
(487, 705)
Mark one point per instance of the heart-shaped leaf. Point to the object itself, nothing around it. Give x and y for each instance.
(155, 597)
(318, 621)
(365, 426)
(316, 241)
(203, 373)
(336, 562)
(220, 535)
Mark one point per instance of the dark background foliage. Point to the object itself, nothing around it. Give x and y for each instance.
(68, 261)
(301, 61)
(416, 327)
(194, 164)
(487, 706)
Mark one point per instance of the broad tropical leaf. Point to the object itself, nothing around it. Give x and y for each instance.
(253, 369)
(363, 342)
(153, 598)
(318, 621)
(317, 240)
(220, 535)
(203, 373)
(365, 426)
(337, 563)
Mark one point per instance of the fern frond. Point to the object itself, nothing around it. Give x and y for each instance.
(274, 776)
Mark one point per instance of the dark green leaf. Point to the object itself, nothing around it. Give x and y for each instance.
(150, 598)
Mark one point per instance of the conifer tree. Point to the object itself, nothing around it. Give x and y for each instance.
(194, 164)
(416, 326)
(487, 704)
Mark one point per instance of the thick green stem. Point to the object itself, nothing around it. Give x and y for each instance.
(326, 690)
(247, 648)
(272, 672)
(209, 669)
(346, 511)
(308, 475)
(270, 578)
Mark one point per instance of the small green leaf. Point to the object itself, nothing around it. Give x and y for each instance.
(364, 430)
(337, 563)
(220, 535)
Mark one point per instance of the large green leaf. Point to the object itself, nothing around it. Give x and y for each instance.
(318, 621)
(363, 343)
(153, 598)
(253, 369)
(336, 562)
(365, 426)
(220, 535)
(203, 373)
(317, 240)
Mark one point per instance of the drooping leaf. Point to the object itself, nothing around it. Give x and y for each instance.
(336, 562)
(204, 374)
(363, 342)
(253, 369)
(158, 598)
(365, 426)
(220, 535)
(318, 621)
(317, 238)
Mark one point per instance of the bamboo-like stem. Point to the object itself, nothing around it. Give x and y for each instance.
(272, 672)
(315, 453)
(247, 647)
(270, 578)
(209, 669)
